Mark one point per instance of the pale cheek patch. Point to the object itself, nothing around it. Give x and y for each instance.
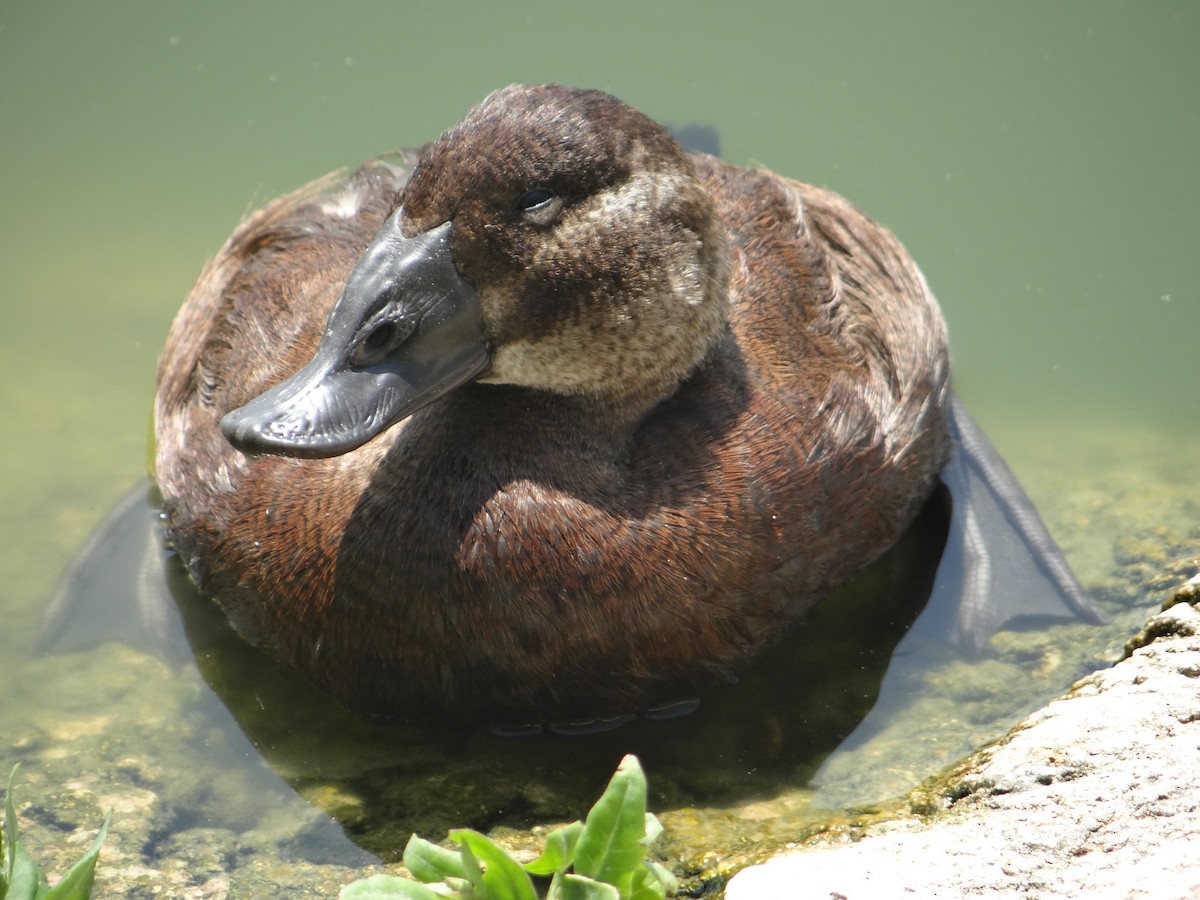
(561, 364)
(630, 206)
(640, 340)
(644, 340)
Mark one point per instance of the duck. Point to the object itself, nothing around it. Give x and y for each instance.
(551, 420)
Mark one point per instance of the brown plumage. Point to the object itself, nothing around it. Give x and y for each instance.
(713, 394)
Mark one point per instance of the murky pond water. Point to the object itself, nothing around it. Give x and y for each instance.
(1038, 163)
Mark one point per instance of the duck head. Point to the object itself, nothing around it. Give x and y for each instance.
(554, 239)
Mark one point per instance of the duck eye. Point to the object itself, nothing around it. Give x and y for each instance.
(540, 206)
(380, 337)
(375, 345)
(535, 199)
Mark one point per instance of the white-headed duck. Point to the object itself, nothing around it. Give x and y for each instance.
(552, 420)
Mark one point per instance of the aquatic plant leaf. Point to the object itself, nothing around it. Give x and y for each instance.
(77, 883)
(25, 882)
(578, 887)
(10, 826)
(654, 829)
(610, 847)
(387, 887)
(500, 876)
(652, 882)
(665, 875)
(22, 879)
(472, 869)
(428, 862)
(613, 840)
(559, 851)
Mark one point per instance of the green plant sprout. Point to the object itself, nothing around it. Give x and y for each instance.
(602, 858)
(22, 880)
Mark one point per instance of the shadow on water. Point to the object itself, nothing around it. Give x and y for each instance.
(749, 740)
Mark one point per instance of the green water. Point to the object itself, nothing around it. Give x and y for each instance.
(1039, 161)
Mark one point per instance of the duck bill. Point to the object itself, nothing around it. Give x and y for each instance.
(407, 330)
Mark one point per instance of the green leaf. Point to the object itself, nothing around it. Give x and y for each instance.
(473, 871)
(665, 875)
(577, 887)
(502, 877)
(559, 851)
(652, 882)
(26, 882)
(610, 847)
(77, 883)
(10, 825)
(23, 880)
(429, 862)
(654, 830)
(387, 887)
